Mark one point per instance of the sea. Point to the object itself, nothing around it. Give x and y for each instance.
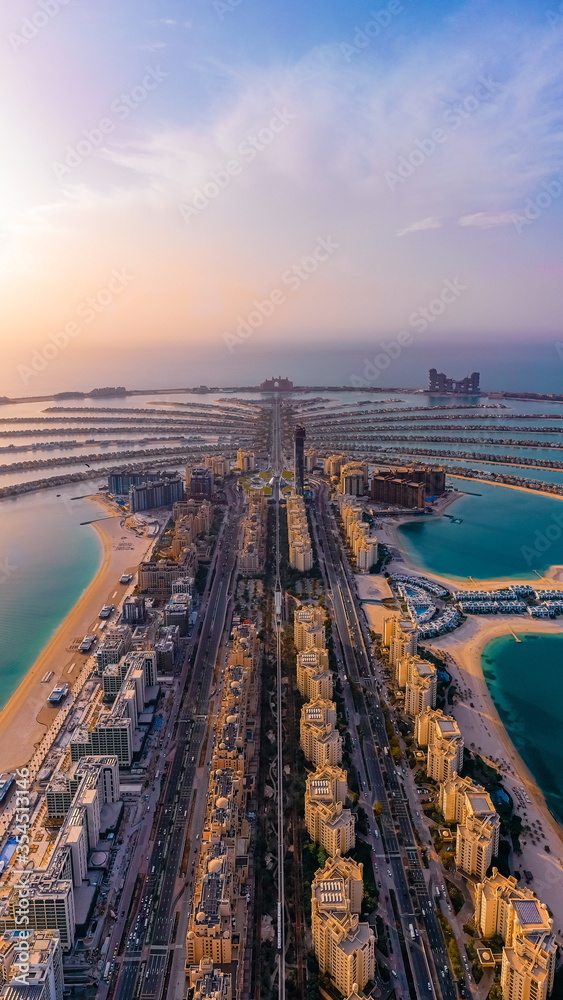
(48, 555)
(526, 683)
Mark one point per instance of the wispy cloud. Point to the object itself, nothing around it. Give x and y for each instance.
(418, 227)
(487, 220)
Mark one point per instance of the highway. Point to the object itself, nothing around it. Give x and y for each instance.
(145, 970)
(429, 965)
(277, 466)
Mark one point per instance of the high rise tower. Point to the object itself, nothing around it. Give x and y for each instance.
(299, 460)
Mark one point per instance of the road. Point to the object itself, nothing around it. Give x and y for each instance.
(147, 964)
(427, 953)
(277, 466)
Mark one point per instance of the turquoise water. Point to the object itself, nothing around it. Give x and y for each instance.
(526, 682)
(502, 534)
(46, 562)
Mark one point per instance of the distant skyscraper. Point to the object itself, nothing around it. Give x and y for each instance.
(299, 459)
(440, 383)
(201, 483)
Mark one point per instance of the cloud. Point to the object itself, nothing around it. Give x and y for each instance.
(417, 227)
(487, 220)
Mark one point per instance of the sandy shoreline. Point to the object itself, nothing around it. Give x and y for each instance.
(26, 716)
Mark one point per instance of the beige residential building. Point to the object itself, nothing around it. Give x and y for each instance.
(310, 459)
(253, 551)
(333, 465)
(320, 740)
(328, 822)
(309, 621)
(402, 641)
(299, 538)
(367, 554)
(442, 735)
(345, 947)
(209, 983)
(475, 845)
(421, 684)
(314, 679)
(530, 949)
(353, 479)
(246, 460)
(471, 807)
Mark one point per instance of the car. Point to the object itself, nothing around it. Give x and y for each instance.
(379, 885)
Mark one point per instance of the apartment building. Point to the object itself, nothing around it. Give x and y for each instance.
(314, 679)
(217, 925)
(471, 807)
(400, 637)
(299, 537)
(253, 553)
(421, 686)
(530, 948)
(320, 740)
(442, 735)
(344, 946)
(44, 978)
(309, 628)
(208, 983)
(327, 820)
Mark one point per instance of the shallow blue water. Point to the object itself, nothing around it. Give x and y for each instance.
(46, 562)
(526, 682)
(504, 533)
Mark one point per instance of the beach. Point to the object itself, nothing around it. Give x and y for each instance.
(27, 715)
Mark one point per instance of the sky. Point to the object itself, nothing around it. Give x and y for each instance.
(197, 190)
